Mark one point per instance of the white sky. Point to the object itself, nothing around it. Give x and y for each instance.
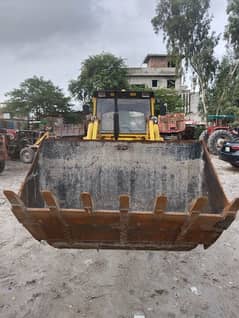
(51, 38)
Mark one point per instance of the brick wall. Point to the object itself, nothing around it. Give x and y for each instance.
(158, 62)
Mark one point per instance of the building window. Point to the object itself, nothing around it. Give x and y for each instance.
(170, 83)
(154, 83)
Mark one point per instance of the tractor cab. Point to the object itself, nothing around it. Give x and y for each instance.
(123, 115)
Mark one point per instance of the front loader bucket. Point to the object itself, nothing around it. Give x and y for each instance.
(123, 195)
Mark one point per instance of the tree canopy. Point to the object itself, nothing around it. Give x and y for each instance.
(38, 97)
(232, 29)
(223, 96)
(102, 71)
(171, 98)
(186, 29)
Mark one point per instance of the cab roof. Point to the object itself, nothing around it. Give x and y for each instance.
(123, 94)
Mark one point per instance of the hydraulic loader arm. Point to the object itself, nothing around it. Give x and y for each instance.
(43, 137)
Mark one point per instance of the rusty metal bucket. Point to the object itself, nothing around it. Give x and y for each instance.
(123, 195)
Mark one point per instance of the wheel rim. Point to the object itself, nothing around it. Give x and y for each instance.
(220, 142)
(26, 156)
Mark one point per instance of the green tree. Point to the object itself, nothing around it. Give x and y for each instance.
(230, 76)
(186, 29)
(38, 97)
(102, 71)
(232, 29)
(223, 96)
(171, 98)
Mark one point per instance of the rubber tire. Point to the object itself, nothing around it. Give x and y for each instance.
(203, 136)
(2, 165)
(214, 137)
(27, 155)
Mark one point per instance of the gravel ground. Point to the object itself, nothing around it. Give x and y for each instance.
(39, 281)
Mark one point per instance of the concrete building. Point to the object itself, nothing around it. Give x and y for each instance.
(159, 72)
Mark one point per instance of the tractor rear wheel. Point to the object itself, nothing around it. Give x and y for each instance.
(27, 155)
(217, 139)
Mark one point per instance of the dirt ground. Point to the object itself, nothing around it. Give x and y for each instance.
(38, 281)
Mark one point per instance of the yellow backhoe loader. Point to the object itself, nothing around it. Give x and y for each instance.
(122, 186)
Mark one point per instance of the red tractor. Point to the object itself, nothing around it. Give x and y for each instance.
(219, 132)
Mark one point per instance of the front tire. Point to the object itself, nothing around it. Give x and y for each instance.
(27, 155)
(217, 139)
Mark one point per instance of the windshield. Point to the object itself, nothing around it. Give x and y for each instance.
(132, 114)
